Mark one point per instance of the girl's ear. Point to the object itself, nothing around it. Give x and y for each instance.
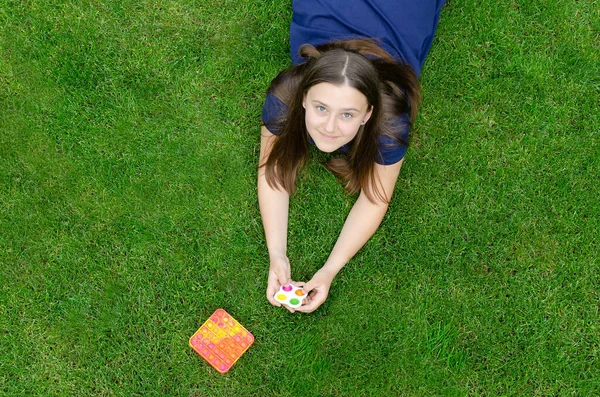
(368, 115)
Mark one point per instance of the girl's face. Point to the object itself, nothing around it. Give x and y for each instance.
(334, 114)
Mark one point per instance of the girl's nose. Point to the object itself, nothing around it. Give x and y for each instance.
(330, 124)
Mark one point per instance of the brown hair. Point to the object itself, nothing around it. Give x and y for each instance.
(391, 88)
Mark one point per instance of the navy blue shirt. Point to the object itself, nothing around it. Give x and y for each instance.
(404, 28)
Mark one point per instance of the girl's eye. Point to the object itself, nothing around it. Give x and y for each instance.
(347, 115)
(321, 108)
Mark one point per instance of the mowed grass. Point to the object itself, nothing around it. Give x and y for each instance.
(129, 136)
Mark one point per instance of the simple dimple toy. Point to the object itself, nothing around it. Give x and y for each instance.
(290, 295)
(221, 340)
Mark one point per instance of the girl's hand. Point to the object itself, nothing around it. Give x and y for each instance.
(279, 274)
(317, 289)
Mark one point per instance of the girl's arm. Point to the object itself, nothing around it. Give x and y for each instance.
(274, 205)
(362, 222)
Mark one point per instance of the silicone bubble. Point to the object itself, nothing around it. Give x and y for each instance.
(221, 340)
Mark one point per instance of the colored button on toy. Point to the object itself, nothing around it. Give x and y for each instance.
(290, 295)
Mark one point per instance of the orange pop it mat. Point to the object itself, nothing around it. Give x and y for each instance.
(221, 340)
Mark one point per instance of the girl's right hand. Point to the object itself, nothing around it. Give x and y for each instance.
(279, 274)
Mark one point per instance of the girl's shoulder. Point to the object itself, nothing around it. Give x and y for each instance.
(274, 110)
(278, 98)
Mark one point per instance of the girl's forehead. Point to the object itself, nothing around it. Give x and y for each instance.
(337, 96)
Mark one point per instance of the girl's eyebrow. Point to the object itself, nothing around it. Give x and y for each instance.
(316, 102)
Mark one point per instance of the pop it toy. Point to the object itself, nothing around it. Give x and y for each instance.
(290, 295)
(221, 340)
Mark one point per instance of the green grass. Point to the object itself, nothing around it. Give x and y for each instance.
(128, 211)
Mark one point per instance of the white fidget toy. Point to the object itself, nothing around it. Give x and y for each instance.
(290, 295)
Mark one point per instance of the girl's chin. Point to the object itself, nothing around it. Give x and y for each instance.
(327, 148)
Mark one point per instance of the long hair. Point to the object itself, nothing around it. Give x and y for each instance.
(391, 88)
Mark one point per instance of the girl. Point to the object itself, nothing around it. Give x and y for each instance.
(353, 87)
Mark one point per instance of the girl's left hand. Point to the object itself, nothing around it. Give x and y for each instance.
(317, 289)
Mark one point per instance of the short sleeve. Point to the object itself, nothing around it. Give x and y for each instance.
(393, 149)
(273, 110)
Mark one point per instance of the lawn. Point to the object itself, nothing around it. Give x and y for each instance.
(129, 135)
